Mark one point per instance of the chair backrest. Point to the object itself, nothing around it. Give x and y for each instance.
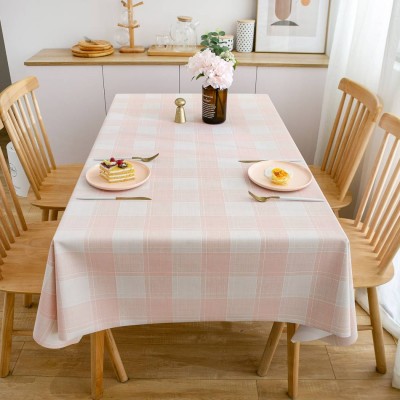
(20, 114)
(378, 216)
(12, 220)
(357, 114)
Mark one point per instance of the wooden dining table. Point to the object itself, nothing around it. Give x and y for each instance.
(202, 249)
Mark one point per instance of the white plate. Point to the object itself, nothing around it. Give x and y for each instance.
(300, 176)
(142, 174)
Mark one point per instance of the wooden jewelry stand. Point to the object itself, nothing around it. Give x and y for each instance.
(132, 25)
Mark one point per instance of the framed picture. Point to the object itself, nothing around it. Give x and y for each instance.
(291, 26)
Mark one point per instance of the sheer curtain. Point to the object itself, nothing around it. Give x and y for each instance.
(366, 48)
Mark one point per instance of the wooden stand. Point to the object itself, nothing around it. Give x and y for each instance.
(132, 24)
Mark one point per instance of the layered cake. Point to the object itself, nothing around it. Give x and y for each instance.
(114, 171)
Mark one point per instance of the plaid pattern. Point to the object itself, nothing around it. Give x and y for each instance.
(202, 249)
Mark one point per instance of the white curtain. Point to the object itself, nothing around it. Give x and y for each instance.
(366, 48)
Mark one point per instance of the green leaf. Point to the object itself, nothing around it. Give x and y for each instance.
(221, 33)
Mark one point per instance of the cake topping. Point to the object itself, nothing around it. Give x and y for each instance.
(112, 162)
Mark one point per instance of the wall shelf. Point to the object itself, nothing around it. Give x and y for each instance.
(57, 57)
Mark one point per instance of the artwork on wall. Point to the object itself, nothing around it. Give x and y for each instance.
(292, 26)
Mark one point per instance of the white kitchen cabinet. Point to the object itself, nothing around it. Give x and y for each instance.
(297, 94)
(76, 93)
(120, 79)
(71, 100)
(244, 80)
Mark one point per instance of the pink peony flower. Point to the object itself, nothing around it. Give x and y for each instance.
(217, 72)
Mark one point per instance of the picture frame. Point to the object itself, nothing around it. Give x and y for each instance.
(291, 26)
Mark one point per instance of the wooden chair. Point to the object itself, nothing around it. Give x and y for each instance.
(355, 120)
(374, 237)
(23, 254)
(51, 185)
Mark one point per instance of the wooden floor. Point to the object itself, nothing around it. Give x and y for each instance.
(196, 361)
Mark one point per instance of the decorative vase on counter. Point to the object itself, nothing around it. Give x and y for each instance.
(214, 102)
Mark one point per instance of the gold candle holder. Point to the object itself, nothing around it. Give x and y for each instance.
(180, 116)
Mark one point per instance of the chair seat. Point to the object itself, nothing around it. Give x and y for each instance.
(57, 188)
(329, 188)
(365, 264)
(25, 263)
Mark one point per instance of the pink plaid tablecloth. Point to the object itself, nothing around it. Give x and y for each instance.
(202, 249)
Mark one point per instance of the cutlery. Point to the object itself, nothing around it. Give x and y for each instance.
(113, 198)
(254, 161)
(263, 199)
(144, 159)
(90, 40)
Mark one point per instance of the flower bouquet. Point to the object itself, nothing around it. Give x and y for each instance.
(216, 64)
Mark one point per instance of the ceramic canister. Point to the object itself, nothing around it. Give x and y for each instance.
(227, 41)
(245, 35)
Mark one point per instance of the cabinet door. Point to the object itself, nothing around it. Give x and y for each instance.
(244, 81)
(122, 79)
(71, 101)
(297, 94)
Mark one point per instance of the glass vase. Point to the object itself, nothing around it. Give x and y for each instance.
(214, 105)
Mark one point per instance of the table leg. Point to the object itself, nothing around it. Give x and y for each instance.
(97, 364)
(115, 357)
(270, 348)
(293, 350)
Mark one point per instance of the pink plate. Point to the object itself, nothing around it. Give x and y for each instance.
(300, 176)
(142, 173)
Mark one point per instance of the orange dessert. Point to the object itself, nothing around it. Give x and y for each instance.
(279, 176)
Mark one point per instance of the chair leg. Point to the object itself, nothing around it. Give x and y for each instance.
(6, 334)
(53, 215)
(97, 364)
(336, 212)
(28, 301)
(270, 348)
(115, 356)
(377, 331)
(45, 214)
(293, 350)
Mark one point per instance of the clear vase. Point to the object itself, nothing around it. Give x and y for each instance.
(214, 105)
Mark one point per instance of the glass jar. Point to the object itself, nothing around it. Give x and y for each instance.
(183, 34)
(214, 104)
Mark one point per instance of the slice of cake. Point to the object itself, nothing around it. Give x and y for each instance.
(114, 171)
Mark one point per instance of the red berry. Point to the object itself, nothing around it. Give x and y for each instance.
(119, 162)
(112, 159)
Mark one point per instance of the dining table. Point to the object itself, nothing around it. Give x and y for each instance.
(196, 246)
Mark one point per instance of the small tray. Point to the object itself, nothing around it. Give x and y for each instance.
(171, 51)
(77, 52)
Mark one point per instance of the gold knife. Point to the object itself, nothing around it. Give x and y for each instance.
(113, 198)
(255, 161)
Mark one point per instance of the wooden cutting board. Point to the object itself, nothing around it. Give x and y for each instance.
(98, 46)
(77, 52)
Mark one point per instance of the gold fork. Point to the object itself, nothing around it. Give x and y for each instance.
(143, 159)
(263, 199)
(146, 159)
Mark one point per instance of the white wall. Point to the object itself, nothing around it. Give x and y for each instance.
(32, 25)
